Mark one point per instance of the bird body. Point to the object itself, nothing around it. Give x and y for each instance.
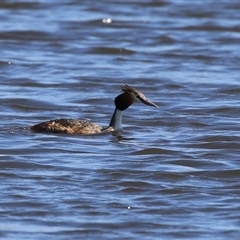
(78, 126)
(70, 126)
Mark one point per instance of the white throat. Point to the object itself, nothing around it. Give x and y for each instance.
(116, 121)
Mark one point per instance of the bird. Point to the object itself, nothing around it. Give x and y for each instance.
(128, 96)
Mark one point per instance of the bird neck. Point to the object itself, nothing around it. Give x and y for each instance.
(122, 102)
(116, 120)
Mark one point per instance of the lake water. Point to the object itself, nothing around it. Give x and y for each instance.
(173, 172)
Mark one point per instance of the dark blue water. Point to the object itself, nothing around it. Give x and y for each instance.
(173, 172)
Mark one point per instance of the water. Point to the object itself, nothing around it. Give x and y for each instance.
(173, 172)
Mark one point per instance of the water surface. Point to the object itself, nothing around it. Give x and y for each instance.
(173, 172)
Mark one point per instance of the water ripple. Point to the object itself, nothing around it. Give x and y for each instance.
(171, 172)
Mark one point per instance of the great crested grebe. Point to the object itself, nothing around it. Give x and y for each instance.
(77, 126)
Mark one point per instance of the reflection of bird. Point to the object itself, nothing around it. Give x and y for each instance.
(122, 102)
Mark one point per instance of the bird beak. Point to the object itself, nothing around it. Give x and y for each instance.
(147, 102)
